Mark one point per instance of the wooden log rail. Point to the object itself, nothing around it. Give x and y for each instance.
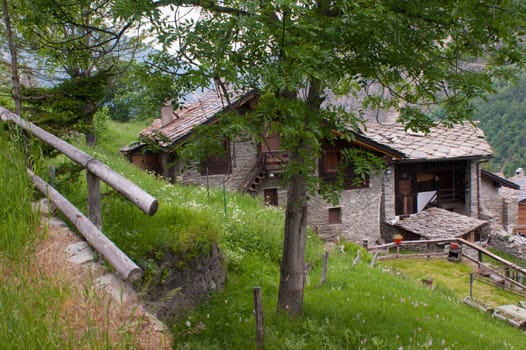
(115, 257)
(125, 187)
(90, 228)
(481, 252)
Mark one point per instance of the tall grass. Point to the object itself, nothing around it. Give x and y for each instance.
(17, 220)
(26, 319)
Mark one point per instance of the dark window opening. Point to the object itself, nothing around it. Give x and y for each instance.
(218, 164)
(335, 215)
(328, 171)
(271, 196)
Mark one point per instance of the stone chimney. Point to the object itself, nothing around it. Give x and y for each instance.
(519, 172)
(167, 113)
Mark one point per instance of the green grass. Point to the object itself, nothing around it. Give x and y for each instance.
(26, 319)
(358, 308)
(17, 220)
(453, 277)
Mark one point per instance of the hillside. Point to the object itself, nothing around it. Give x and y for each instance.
(359, 307)
(503, 118)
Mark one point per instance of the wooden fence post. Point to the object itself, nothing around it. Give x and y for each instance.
(94, 199)
(324, 268)
(258, 314)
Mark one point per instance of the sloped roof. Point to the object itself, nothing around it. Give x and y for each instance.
(498, 179)
(460, 141)
(437, 223)
(202, 111)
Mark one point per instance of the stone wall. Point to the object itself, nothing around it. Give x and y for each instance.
(243, 155)
(472, 178)
(501, 212)
(180, 285)
(360, 214)
(514, 245)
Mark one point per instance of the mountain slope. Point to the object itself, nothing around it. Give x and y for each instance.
(503, 119)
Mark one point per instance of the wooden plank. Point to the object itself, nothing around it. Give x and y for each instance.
(115, 257)
(128, 189)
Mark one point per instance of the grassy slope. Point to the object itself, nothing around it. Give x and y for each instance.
(358, 307)
(42, 305)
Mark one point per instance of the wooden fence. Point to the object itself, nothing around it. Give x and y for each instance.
(96, 171)
(512, 274)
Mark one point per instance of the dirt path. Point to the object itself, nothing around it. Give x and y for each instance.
(89, 309)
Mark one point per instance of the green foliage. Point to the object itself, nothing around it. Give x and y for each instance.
(138, 92)
(68, 106)
(502, 118)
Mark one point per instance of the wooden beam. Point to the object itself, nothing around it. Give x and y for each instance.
(115, 257)
(128, 189)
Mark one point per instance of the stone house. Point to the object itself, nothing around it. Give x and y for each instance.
(439, 169)
(499, 202)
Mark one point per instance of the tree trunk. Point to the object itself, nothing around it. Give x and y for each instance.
(290, 296)
(292, 277)
(14, 60)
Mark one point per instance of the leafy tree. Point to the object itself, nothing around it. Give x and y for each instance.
(415, 54)
(77, 43)
(138, 92)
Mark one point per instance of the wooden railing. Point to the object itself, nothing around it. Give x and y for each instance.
(96, 171)
(256, 169)
(508, 266)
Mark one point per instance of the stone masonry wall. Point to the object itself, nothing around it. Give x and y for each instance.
(244, 155)
(178, 288)
(360, 214)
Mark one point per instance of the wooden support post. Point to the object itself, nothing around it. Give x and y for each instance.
(373, 260)
(471, 284)
(480, 256)
(507, 271)
(94, 200)
(427, 249)
(258, 314)
(397, 250)
(356, 259)
(324, 268)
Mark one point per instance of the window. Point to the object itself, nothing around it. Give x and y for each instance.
(332, 159)
(271, 196)
(328, 171)
(335, 215)
(220, 163)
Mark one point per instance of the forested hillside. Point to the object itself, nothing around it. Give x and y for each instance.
(503, 119)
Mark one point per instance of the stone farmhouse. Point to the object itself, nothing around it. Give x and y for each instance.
(430, 181)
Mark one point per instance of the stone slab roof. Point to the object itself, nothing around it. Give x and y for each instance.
(460, 141)
(437, 223)
(203, 110)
